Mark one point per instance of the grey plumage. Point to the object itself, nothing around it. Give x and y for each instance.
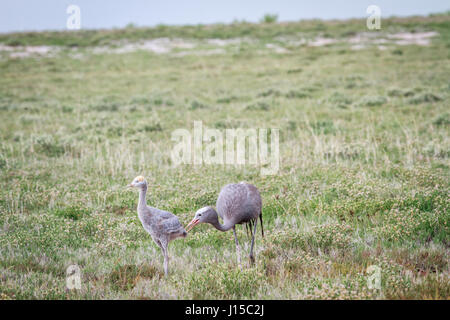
(238, 203)
(162, 226)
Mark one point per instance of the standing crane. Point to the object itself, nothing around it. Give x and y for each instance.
(162, 226)
(238, 203)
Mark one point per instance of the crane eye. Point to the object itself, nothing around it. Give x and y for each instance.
(199, 214)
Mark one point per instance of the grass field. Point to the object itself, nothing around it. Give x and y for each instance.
(364, 150)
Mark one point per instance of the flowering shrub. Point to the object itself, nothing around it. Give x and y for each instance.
(324, 237)
(222, 281)
(412, 223)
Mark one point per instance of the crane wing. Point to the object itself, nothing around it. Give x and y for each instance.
(166, 221)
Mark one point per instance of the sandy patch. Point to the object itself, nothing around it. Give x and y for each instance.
(419, 38)
(402, 38)
(29, 51)
(363, 37)
(360, 41)
(358, 47)
(209, 52)
(6, 48)
(276, 48)
(226, 42)
(167, 46)
(320, 42)
(159, 46)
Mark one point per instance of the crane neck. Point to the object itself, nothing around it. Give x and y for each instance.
(221, 227)
(142, 197)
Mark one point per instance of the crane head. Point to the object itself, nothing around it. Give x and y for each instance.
(138, 182)
(203, 215)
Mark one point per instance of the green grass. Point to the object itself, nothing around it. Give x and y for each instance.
(364, 176)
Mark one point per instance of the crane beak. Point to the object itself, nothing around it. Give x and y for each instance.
(130, 186)
(192, 224)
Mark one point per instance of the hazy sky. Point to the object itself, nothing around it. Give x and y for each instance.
(22, 15)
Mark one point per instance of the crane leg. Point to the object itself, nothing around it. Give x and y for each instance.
(164, 247)
(252, 258)
(166, 263)
(238, 249)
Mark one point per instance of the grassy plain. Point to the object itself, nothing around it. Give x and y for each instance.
(364, 149)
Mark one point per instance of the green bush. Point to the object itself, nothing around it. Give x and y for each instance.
(73, 212)
(48, 145)
(269, 18)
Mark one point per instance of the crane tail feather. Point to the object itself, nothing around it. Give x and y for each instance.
(261, 220)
